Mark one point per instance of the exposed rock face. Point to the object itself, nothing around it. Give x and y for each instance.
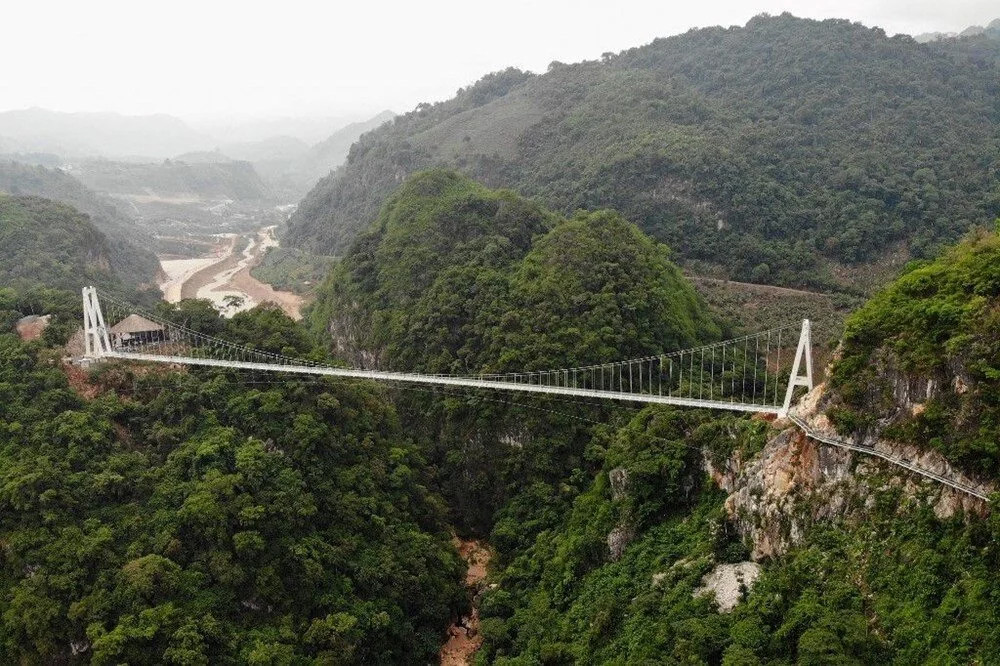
(346, 333)
(619, 483)
(796, 481)
(32, 326)
(618, 540)
(515, 438)
(812, 408)
(727, 582)
(767, 505)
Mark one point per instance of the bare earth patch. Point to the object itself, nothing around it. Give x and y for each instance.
(227, 274)
(32, 326)
(727, 582)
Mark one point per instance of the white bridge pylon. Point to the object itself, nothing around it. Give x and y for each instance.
(756, 373)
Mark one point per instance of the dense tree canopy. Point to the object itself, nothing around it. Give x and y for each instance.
(206, 518)
(44, 243)
(127, 242)
(454, 277)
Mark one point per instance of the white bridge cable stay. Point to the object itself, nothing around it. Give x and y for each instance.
(759, 372)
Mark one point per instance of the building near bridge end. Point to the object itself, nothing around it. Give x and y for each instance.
(136, 330)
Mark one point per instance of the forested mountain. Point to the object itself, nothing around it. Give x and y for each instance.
(457, 278)
(181, 514)
(454, 277)
(921, 360)
(331, 152)
(128, 244)
(785, 151)
(605, 528)
(199, 179)
(154, 515)
(44, 243)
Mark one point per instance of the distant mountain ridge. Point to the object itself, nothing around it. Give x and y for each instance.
(788, 151)
(292, 165)
(97, 134)
(992, 29)
(198, 179)
(332, 151)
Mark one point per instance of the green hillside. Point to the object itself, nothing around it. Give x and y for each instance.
(128, 244)
(602, 519)
(457, 278)
(787, 151)
(454, 277)
(198, 179)
(44, 243)
(921, 360)
(214, 516)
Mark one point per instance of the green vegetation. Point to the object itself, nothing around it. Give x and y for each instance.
(50, 244)
(602, 533)
(891, 585)
(213, 518)
(788, 151)
(933, 337)
(128, 244)
(172, 178)
(62, 306)
(750, 308)
(208, 516)
(455, 277)
(293, 270)
(154, 515)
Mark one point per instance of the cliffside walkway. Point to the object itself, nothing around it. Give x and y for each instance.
(867, 450)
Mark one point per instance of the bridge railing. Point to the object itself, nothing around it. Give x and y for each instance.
(760, 370)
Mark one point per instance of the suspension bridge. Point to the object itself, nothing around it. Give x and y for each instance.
(756, 373)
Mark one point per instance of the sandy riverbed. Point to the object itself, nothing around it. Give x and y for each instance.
(225, 276)
(179, 271)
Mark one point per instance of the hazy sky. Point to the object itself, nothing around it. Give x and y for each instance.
(222, 57)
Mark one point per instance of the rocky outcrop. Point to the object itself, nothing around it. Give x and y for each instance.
(768, 502)
(728, 583)
(619, 480)
(796, 481)
(618, 540)
(812, 409)
(346, 335)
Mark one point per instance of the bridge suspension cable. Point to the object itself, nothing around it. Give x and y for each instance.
(759, 372)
